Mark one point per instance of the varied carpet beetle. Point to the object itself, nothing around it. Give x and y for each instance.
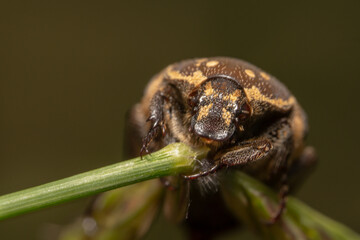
(247, 118)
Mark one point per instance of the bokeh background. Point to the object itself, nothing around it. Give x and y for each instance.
(69, 71)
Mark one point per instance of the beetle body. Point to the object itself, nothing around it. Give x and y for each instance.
(226, 104)
(247, 118)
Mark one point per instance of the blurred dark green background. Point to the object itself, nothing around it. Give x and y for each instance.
(69, 71)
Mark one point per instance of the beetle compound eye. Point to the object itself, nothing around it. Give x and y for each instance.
(245, 112)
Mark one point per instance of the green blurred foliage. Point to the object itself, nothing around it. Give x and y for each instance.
(69, 71)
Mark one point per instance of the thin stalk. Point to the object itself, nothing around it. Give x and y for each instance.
(173, 159)
(255, 204)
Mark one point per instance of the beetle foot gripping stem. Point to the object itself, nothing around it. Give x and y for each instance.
(213, 169)
(283, 193)
(157, 125)
(282, 206)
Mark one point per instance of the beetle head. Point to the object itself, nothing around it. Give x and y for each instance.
(219, 107)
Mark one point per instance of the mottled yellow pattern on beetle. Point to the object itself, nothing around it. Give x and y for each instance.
(195, 78)
(209, 91)
(226, 115)
(204, 111)
(250, 73)
(212, 63)
(254, 93)
(232, 97)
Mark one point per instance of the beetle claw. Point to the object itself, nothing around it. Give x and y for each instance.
(153, 132)
(213, 169)
(282, 206)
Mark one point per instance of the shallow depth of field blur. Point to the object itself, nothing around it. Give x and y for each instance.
(69, 71)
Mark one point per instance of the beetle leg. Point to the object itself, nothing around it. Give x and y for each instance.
(293, 176)
(157, 121)
(157, 106)
(247, 153)
(275, 143)
(283, 193)
(202, 173)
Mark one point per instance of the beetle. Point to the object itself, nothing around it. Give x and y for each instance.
(245, 116)
(247, 119)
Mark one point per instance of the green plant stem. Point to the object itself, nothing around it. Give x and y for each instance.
(255, 204)
(171, 160)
